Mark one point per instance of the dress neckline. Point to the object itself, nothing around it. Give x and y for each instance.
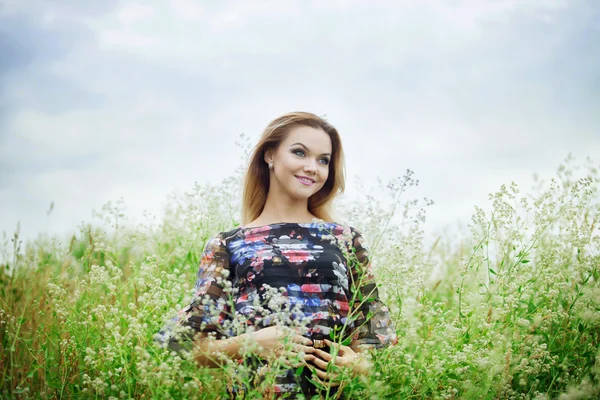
(262, 227)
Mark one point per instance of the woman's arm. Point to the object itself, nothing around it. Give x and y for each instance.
(355, 360)
(209, 307)
(267, 343)
(209, 353)
(374, 327)
(362, 365)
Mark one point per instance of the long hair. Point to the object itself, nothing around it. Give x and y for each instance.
(256, 181)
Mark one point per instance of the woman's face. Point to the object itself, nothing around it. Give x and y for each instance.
(305, 153)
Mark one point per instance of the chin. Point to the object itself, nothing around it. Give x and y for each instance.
(302, 194)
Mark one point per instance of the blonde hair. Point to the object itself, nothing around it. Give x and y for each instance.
(256, 181)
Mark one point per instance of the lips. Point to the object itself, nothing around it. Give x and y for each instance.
(305, 180)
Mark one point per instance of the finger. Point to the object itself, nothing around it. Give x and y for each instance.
(322, 368)
(305, 349)
(347, 351)
(342, 349)
(321, 374)
(336, 347)
(325, 383)
(315, 378)
(323, 355)
(320, 363)
(340, 362)
(298, 355)
(303, 340)
(290, 362)
(326, 379)
(293, 359)
(333, 362)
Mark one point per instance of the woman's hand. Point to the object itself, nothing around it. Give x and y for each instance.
(346, 357)
(275, 342)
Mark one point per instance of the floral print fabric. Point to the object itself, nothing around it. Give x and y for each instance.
(323, 269)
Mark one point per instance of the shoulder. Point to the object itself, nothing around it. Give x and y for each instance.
(351, 232)
(227, 235)
(359, 244)
(219, 242)
(350, 235)
(215, 244)
(348, 228)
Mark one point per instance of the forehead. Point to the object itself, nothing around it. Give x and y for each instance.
(317, 140)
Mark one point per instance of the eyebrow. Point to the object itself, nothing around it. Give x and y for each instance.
(324, 154)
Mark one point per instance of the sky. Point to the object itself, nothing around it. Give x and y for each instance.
(135, 100)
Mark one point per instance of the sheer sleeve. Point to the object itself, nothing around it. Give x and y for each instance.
(209, 308)
(373, 324)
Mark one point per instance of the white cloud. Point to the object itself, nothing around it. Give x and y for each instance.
(468, 95)
(130, 13)
(188, 10)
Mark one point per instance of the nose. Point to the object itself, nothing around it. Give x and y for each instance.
(310, 166)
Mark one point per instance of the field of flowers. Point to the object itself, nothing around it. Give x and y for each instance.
(509, 310)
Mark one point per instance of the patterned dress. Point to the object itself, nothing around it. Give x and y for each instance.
(321, 269)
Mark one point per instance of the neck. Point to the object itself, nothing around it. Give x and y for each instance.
(281, 208)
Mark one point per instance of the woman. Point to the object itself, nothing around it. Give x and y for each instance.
(290, 242)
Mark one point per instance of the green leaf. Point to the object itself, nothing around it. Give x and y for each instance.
(524, 261)
(299, 370)
(492, 271)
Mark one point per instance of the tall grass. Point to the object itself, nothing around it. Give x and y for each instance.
(511, 309)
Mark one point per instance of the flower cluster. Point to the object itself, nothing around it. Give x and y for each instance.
(508, 309)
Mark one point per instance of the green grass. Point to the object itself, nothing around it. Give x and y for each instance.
(509, 310)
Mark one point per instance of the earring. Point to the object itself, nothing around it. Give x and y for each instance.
(270, 165)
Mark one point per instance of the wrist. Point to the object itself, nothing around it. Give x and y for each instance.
(234, 346)
(210, 352)
(362, 365)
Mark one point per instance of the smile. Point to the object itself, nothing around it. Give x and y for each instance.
(305, 181)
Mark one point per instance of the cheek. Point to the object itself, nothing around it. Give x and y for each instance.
(293, 163)
(325, 174)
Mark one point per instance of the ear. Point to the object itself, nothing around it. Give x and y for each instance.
(268, 156)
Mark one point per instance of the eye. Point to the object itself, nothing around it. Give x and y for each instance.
(324, 161)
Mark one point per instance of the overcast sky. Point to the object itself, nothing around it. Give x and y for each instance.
(107, 99)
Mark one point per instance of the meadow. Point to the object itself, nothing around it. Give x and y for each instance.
(510, 309)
